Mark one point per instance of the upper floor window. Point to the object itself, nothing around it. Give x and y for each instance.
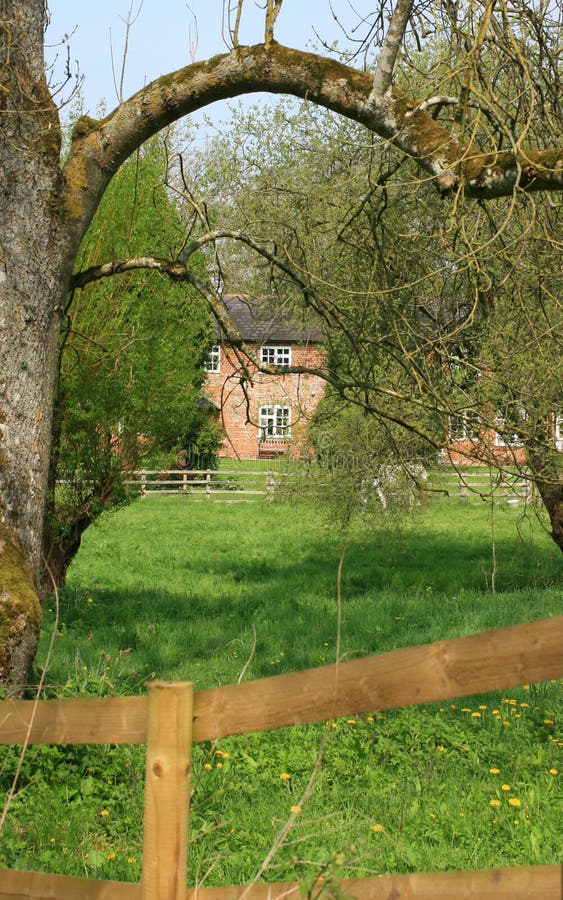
(559, 432)
(274, 422)
(213, 361)
(275, 356)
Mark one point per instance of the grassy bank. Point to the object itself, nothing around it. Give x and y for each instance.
(177, 589)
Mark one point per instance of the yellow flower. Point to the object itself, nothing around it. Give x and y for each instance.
(496, 712)
(524, 706)
(475, 715)
(131, 859)
(514, 801)
(351, 721)
(219, 765)
(208, 767)
(482, 707)
(440, 748)
(505, 787)
(466, 709)
(378, 828)
(295, 809)
(285, 776)
(369, 719)
(104, 812)
(494, 803)
(553, 771)
(110, 855)
(548, 721)
(89, 600)
(494, 771)
(506, 724)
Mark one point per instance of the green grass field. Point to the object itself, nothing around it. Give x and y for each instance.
(178, 588)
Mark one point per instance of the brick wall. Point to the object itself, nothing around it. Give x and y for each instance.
(240, 408)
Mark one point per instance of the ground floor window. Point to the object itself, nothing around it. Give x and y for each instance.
(274, 422)
(466, 427)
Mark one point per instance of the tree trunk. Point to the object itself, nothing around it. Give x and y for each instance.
(546, 476)
(34, 271)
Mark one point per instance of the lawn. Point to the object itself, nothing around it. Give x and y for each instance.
(178, 588)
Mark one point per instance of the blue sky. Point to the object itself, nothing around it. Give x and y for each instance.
(168, 34)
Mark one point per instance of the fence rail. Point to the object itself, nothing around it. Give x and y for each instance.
(264, 483)
(205, 482)
(171, 718)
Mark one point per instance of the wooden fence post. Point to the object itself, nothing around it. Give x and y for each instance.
(208, 484)
(270, 485)
(167, 794)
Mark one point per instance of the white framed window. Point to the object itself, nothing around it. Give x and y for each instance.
(559, 432)
(274, 422)
(466, 427)
(213, 361)
(275, 356)
(503, 439)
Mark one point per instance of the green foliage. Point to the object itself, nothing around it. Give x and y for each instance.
(132, 354)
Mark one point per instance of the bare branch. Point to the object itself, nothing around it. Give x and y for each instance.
(391, 46)
(272, 11)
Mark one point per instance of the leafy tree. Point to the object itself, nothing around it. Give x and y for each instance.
(487, 146)
(432, 317)
(130, 365)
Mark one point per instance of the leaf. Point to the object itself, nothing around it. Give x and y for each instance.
(94, 859)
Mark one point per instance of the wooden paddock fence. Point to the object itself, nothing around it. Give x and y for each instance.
(225, 483)
(171, 717)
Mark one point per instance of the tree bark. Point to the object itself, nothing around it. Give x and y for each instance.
(34, 269)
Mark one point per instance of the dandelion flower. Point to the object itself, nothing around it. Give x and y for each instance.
(285, 776)
(494, 803)
(482, 707)
(110, 855)
(219, 765)
(475, 715)
(208, 767)
(104, 812)
(131, 859)
(553, 771)
(440, 748)
(514, 801)
(548, 721)
(378, 828)
(494, 771)
(506, 787)
(295, 809)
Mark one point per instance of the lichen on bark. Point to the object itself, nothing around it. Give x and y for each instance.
(20, 614)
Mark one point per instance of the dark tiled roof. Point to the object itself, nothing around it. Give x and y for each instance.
(272, 321)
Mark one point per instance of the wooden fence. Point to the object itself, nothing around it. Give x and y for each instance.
(263, 483)
(171, 717)
(206, 482)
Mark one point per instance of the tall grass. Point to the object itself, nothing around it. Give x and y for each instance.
(181, 589)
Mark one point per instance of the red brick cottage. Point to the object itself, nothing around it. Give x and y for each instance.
(267, 416)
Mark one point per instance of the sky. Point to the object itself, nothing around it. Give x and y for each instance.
(169, 34)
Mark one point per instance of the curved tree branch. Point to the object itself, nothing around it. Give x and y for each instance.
(100, 147)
